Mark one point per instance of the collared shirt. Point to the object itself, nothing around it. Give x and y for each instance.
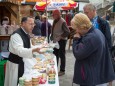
(16, 47)
(95, 23)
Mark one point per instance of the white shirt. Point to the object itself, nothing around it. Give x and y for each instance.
(16, 47)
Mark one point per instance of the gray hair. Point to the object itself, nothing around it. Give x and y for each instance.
(90, 6)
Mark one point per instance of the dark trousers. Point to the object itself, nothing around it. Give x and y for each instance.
(60, 53)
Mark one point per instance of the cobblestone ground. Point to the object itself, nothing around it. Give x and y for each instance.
(66, 80)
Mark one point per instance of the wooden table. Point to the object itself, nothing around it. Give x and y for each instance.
(4, 37)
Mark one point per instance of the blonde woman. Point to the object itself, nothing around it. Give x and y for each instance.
(93, 65)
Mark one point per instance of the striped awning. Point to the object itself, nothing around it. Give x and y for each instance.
(51, 5)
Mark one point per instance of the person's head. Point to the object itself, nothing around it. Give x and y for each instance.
(81, 23)
(44, 18)
(37, 17)
(90, 10)
(5, 20)
(56, 14)
(107, 14)
(28, 24)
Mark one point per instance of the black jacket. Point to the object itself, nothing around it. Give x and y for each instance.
(105, 29)
(37, 28)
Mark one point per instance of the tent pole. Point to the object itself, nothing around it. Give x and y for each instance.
(46, 22)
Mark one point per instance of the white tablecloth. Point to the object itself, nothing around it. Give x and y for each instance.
(29, 64)
(57, 79)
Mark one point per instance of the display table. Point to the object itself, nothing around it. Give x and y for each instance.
(28, 74)
(57, 79)
(2, 72)
(41, 70)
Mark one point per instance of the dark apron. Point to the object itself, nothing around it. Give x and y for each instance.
(17, 60)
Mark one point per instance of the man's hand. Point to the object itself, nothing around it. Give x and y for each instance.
(36, 50)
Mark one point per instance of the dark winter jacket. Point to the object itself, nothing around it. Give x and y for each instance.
(105, 29)
(93, 62)
(37, 28)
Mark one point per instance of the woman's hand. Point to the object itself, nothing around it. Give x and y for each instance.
(77, 35)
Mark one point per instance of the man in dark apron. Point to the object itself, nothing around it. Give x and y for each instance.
(19, 48)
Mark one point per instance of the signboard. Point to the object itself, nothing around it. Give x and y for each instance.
(58, 4)
(55, 4)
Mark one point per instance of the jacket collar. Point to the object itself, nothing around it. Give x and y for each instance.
(90, 30)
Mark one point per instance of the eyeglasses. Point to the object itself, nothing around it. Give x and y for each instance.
(32, 24)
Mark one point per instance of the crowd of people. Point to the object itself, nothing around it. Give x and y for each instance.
(91, 46)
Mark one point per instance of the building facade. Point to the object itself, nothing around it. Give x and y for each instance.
(101, 3)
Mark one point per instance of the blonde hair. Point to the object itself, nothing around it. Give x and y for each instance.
(44, 17)
(81, 21)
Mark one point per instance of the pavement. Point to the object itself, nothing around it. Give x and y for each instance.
(66, 80)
